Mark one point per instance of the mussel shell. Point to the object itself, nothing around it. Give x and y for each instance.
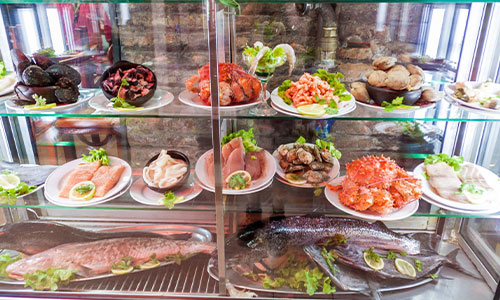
(42, 61)
(125, 65)
(36, 76)
(20, 61)
(25, 93)
(61, 70)
(176, 155)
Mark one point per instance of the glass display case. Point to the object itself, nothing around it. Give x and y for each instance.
(270, 149)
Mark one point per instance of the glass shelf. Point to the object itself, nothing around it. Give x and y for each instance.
(243, 1)
(443, 111)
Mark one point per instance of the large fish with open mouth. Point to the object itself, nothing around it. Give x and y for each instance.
(95, 258)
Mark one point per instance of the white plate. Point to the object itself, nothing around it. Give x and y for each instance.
(160, 99)
(56, 180)
(9, 89)
(260, 188)
(462, 211)
(192, 99)
(344, 107)
(142, 194)
(201, 174)
(334, 172)
(450, 90)
(398, 214)
(381, 109)
(85, 96)
(428, 191)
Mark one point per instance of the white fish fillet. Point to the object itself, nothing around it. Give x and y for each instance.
(445, 181)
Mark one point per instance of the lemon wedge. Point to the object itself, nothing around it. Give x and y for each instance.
(239, 180)
(122, 271)
(405, 267)
(82, 191)
(9, 181)
(295, 179)
(149, 265)
(312, 110)
(34, 107)
(376, 265)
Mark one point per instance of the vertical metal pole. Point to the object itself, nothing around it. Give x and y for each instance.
(214, 92)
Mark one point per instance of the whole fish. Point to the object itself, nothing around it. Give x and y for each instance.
(277, 236)
(32, 175)
(94, 258)
(32, 237)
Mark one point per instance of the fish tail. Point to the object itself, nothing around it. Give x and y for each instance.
(452, 261)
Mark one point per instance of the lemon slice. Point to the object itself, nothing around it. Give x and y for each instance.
(121, 272)
(129, 109)
(9, 181)
(405, 267)
(295, 179)
(372, 263)
(82, 191)
(34, 107)
(244, 174)
(149, 265)
(475, 198)
(312, 110)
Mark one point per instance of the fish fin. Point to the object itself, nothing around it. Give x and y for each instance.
(452, 261)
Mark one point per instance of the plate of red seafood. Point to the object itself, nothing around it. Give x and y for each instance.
(87, 181)
(375, 188)
(238, 89)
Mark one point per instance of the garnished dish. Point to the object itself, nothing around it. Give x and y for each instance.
(453, 183)
(318, 95)
(246, 168)
(237, 88)
(394, 88)
(93, 179)
(62, 254)
(7, 80)
(476, 95)
(328, 255)
(43, 84)
(307, 165)
(376, 187)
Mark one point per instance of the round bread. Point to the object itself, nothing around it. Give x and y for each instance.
(430, 94)
(384, 62)
(358, 90)
(377, 78)
(415, 70)
(416, 82)
(398, 68)
(397, 80)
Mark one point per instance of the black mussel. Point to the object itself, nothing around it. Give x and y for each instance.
(142, 82)
(25, 93)
(67, 91)
(61, 70)
(42, 61)
(20, 61)
(36, 76)
(175, 155)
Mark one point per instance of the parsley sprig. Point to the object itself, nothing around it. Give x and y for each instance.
(395, 104)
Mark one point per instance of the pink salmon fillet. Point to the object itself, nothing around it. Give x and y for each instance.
(82, 172)
(106, 178)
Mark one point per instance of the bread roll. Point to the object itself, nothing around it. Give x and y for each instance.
(397, 80)
(377, 78)
(384, 62)
(358, 90)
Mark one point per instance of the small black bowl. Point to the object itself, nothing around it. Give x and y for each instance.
(380, 95)
(126, 65)
(176, 155)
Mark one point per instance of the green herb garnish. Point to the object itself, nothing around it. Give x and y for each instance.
(301, 140)
(394, 104)
(455, 161)
(426, 176)
(335, 240)
(84, 189)
(95, 155)
(39, 100)
(418, 265)
(237, 182)
(124, 264)
(333, 80)
(433, 276)
(49, 279)
(470, 188)
(328, 146)
(391, 255)
(9, 196)
(5, 261)
(119, 102)
(253, 157)
(247, 136)
(402, 253)
(330, 257)
(169, 199)
(372, 255)
(3, 69)
(48, 52)
(282, 91)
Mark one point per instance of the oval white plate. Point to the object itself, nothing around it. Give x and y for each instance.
(450, 90)
(142, 194)
(398, 214)
(161, 98)
(345, 107)
(429, 191)
(192, 99)
(56, 180)
(201, 174)
(334, 172)
(396, 111)
(85, 95)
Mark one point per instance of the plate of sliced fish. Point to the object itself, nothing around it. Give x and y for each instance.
(472, 188)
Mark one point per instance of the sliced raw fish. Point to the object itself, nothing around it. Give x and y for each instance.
(32, 175)
(83, 172)
(106, 178)
(233, 159)
(209, 161)
(255, 163)
(445, 181)
(472, 174)
(235, 162)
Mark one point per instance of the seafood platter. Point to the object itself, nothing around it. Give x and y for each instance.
(325, 255)
(477, 97)
(90, 180)
(452, 184)
(166, 177)
(68, 254)
(394, 88)
(375, 188)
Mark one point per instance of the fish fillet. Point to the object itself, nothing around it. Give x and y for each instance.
(255, 163)
(106, 178)
(94, 258)
(445, 181)
(82, 172)
(471, 174)
(233, 159)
